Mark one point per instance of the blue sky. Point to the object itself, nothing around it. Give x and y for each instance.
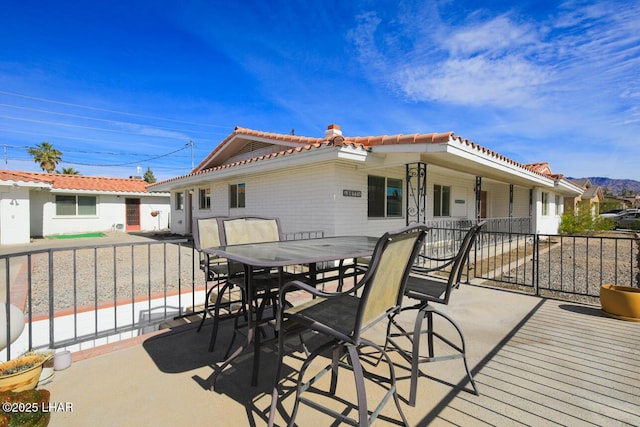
(118, 86)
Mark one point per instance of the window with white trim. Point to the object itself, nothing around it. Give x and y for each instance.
(67, 205)
(205, 198)
(237, 196)
(441, 200)
(179, 201)
(545, 204)
(384, 197)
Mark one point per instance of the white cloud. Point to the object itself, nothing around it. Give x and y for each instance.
(474, 81)
(495, 37)
(474, 64)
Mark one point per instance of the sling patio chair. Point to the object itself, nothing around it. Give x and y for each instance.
(428, 289)
(246, 230)
(206, 234)
(342, 318)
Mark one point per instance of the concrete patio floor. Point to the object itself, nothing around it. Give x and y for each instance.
(536, 362)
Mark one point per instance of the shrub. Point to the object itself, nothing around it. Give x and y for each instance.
(583, 222)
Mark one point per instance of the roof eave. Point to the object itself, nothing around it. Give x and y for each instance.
(313, 155)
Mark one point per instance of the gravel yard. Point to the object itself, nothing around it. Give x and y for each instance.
(570, 266)
(89, 277)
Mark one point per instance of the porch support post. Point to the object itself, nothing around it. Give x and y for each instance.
(530, 208)
(478, 198)
(510, 206)
(416, 193)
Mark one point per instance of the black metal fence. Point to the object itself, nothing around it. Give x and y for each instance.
(103, 293)
(562, 267)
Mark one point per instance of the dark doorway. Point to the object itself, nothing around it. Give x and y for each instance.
(133, 214)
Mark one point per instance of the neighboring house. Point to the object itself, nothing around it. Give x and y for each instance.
(591, 197)
(40, 204)
(365, 185)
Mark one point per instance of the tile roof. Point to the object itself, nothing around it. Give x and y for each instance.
(367, 142)
(77, 182)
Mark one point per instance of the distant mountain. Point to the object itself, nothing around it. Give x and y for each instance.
(618, 187)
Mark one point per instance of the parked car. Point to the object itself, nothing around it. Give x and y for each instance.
(630, 220)
(612, 213)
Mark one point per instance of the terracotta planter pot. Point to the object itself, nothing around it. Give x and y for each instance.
(621, 302)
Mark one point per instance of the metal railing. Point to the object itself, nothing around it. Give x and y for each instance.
(563, 267)
(102, 293)
(74, 295)
(498, 225)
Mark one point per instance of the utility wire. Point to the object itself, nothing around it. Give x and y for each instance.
(103, 141)
(109, 111)
(76, 116)
(44, 122)
(130, 163)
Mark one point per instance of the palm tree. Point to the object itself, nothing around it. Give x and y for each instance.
(46, 155)
(68, 171)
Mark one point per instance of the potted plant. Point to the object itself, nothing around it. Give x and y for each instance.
(621, 302)
(21, 373)
(37, 401)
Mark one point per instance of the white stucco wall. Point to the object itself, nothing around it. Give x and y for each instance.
(14, 211)
(305, 199)
(311, 198)
(547, 224)
(110, 210)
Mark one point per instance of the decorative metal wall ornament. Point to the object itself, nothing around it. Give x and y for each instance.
(416, 193)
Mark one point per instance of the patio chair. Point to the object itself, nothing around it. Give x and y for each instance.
(244, 230)
(343, 317)
(428, 290)
(206, 235)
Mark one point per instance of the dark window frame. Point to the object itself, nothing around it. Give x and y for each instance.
(205, 198)
(237, 196)
(441, 201)
(385, 197)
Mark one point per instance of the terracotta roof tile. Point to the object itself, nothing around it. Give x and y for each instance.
(78, 182)
(366, 142)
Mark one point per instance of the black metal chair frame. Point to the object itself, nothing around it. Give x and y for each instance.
(343, 317)
(429, 290)
(265, 282)
(214, 271)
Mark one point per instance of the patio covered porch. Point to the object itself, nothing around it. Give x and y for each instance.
(536, 362)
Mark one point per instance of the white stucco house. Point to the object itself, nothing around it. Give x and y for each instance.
(40, 204)
(346, 185)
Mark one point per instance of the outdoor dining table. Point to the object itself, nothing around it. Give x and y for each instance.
(280, 254)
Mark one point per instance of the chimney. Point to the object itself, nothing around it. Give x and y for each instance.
(332, 131)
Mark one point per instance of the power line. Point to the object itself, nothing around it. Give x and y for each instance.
(76, 116)
(129, 163)
(83, 139)
(109, 111)
(45, 122)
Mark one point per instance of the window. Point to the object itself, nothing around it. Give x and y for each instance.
(558, 206)
(384, 197)
(237, 196)
(441, 200)
(75, 205)
(205, 198)
(179, 201)
(545, 204)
